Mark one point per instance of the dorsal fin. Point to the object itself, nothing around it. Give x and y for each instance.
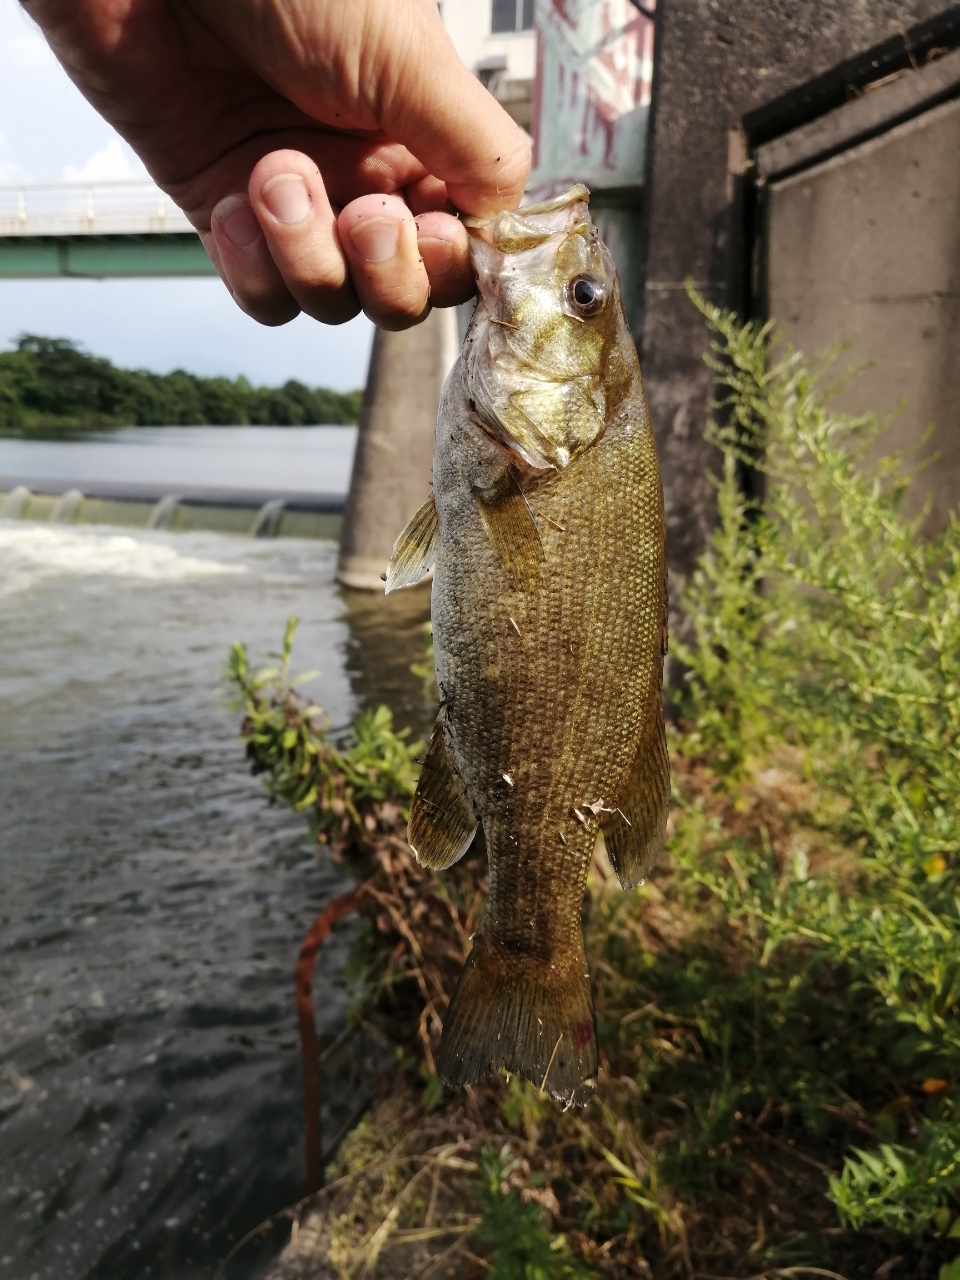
(415, 551)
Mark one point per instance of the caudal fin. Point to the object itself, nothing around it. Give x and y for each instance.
(526, 1015)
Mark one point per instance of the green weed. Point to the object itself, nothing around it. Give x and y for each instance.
(288, 742)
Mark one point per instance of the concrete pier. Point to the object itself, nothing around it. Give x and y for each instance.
(394, 456)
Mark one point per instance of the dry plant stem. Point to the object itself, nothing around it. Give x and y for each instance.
(306, 961)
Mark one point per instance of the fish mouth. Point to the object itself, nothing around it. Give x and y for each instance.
(578, 192)
(541, 405)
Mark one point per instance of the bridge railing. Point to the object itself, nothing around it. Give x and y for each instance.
(93, 209)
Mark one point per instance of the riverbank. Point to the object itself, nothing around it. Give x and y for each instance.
(778, 1007)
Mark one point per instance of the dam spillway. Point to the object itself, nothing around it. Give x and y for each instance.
(287, 482)
(188, 508)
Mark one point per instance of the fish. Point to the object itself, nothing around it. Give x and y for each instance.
(545, 532)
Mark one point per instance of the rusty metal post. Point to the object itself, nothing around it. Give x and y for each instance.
(394, 457)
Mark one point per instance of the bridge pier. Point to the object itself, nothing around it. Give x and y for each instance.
(394, 456)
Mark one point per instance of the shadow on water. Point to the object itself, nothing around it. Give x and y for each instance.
(387, 636)
(152, 903)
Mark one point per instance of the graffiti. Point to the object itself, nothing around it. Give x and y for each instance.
(592, 94)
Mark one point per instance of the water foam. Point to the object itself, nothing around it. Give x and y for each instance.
(30, 554)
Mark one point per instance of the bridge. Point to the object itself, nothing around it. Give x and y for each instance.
(96, 230)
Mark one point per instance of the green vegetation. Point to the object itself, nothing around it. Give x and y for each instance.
(51, 384)
(287, 741)
(779, 1005)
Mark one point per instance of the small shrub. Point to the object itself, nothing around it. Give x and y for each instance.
(288, 742)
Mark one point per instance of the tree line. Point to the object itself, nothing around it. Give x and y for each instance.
(53, 383)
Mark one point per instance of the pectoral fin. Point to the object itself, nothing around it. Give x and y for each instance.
(634, 832)
(442, 821)
(415, 551)
(512, 531)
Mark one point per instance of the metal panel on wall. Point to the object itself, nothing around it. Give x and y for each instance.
(864, 248)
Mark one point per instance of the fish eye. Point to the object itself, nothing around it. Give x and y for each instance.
(587, 296)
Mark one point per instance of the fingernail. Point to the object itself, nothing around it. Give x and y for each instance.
(376, 239)
(237, 221)
(438, 255)
(287, 197)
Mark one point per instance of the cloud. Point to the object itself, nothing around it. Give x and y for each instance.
(110, 164)
(28, 51)
(11, 172)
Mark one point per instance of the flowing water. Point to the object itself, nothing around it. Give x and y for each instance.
(151, 902)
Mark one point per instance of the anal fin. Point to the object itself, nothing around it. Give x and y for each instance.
(442, 822)
(633, 833)
(415, 551)
(512, 531)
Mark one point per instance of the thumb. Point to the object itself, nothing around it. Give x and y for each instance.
(441, 113)
(387, 66)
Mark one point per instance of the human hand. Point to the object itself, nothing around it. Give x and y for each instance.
(314, 144)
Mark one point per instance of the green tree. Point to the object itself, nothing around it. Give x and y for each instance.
(52, 383)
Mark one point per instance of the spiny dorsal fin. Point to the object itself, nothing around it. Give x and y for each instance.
(415, 551)
(634, 832)
(442, 821)
(512, 531)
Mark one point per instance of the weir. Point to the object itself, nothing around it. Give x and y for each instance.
(162, 515)
(245, 513)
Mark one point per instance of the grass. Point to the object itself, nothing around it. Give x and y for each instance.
(778, 1004)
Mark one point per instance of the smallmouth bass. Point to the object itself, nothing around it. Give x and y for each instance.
(546, 532)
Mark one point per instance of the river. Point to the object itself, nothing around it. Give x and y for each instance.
(295, 458)
(152, 903)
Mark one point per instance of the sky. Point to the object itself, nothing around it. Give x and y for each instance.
(49, 133)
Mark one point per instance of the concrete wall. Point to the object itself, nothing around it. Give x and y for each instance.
(865, 248)
(728, 76)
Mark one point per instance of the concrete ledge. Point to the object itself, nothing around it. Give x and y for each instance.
(195, 495)
(361, 572)
(180, 516)
(877, 111)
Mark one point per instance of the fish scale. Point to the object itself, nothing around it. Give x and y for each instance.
(549, 604)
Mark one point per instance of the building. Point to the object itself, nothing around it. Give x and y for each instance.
(497, 41)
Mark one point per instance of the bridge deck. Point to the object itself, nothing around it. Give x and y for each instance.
(96, 230)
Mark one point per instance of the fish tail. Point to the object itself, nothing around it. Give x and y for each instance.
(529, 1016)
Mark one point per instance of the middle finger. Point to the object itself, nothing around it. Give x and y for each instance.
(379, 239)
